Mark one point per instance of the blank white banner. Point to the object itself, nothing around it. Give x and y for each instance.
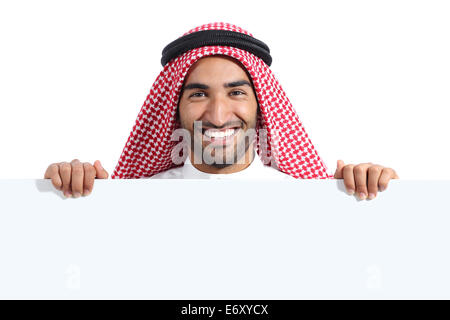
(224, 239)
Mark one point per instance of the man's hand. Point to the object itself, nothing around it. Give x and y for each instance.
(75, 178)
(365, 178)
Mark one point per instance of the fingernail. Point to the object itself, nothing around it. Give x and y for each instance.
(371, 196)
(351, 191)
(86, 192)
(362, 195)
(76, 194)
(67, 194)
(380, 189)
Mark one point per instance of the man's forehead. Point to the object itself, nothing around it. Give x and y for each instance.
(216, 61)
(203, 71)
(217, 57)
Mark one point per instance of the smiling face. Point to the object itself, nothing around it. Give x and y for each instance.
(219, 94)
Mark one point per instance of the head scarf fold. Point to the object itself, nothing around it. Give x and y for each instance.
(149, 146)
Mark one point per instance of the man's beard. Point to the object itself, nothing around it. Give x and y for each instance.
(223, 162)
(236, 157)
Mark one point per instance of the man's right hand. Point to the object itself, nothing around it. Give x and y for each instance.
(75, 178)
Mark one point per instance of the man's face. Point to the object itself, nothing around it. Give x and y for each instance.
(218, 92)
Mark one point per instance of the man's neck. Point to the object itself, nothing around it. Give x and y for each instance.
(241, 165)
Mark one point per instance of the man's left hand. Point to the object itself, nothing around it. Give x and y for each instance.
(366, 179)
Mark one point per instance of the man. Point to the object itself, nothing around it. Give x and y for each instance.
(217, 93)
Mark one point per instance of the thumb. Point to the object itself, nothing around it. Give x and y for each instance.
(101, 172)
(338, 173)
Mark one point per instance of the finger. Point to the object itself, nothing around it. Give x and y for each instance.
(65, 171)
(89, 177)
(395, 174)
(360, 173)
(101, 172)
(340, 166)
(374, 173)
(52, 172)
(349, 180)
(77, 178)
(386, 175)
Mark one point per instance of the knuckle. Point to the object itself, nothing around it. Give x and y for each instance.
(390, 170)
(358, 169)
(77, 170)
(349, 186)
(65, 167)
(76, 187)
(374, 169)
(89, 185)
(349, 181)
(51, 171)
(348, 169)
(89, 180)
(88, 168)
(361, 187)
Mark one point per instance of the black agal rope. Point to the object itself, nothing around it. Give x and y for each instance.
(216, 38)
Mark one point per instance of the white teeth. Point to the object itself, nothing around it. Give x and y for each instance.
(219, 134)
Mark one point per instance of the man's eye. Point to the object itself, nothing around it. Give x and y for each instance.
(195, 94)
(234, 93)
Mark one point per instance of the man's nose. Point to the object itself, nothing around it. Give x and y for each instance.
(219, 110)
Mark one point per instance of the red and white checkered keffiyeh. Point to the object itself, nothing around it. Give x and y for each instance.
(149, 147)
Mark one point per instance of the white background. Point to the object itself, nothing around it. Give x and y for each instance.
(369, 79)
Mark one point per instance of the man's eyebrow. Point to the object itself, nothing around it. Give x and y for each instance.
(197, 85)
(237, 84)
